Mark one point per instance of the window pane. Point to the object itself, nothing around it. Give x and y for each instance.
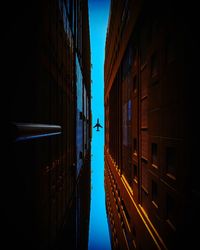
(170, 160)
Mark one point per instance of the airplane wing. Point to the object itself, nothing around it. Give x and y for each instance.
(100, 126)
(95, 126)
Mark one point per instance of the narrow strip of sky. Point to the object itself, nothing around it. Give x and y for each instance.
(98, 16)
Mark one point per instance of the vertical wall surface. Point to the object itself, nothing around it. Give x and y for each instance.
(152, 191)
(46, 98)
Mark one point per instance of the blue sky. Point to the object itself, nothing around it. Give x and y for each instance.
(98, 15)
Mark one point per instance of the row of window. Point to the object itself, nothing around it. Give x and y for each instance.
(124, 219)
(169, 207)
(170, 204)
(170, 158)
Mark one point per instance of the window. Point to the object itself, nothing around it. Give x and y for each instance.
(154, 192)
(155, 82)
(127, 60)
(129, 110)
(135, 172)
(125, 211)
(80, 155)
(154, 153)
(170, 209)
(127, 146)
(154, 65)
(135, 84)
(135, 146)
(144, 113)
(170, 49)
(79, 115)
(134, 231)
(134, 236)
(144, 175)
(170, 160)
(145, 40)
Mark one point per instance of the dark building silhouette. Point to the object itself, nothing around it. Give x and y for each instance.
(151, 174)
(45, 54)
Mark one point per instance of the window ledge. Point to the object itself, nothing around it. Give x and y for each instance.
(144, 158)
(171, 225)
(155, 205)
(154, 166)
(145, 190)
(171, 176)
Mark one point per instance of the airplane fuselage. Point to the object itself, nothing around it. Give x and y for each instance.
(98, 125)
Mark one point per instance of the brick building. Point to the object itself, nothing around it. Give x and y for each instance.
(152, 191)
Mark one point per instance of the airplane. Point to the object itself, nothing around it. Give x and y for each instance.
(98, 125)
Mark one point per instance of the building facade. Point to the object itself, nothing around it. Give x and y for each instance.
(47, 92)
(152, 194)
